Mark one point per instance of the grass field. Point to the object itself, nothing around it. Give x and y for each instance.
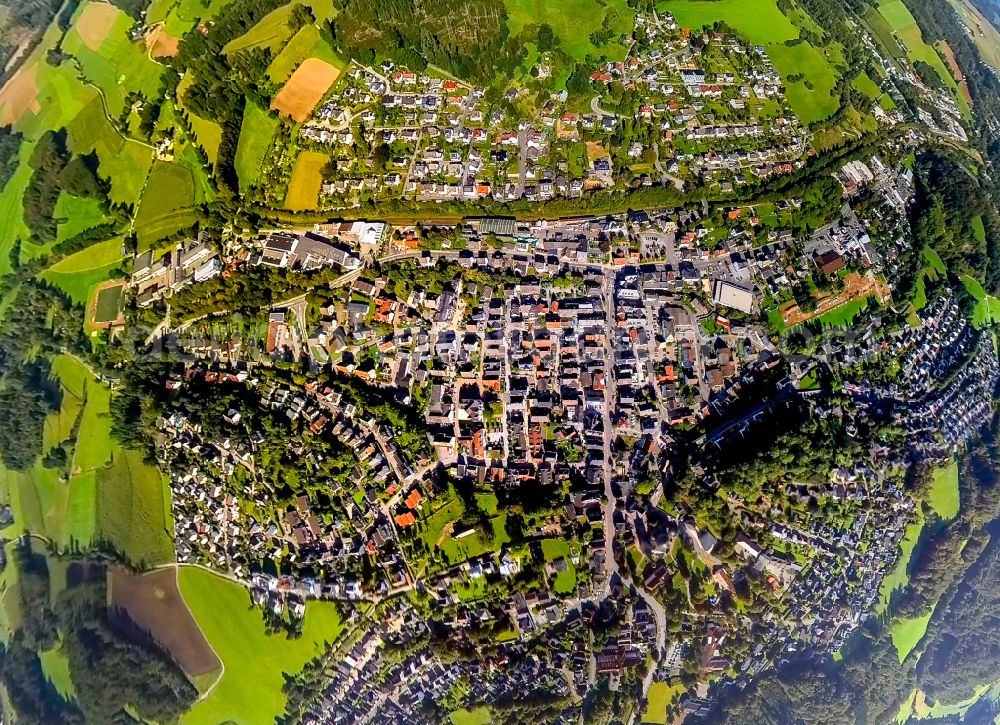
(167, 205)
(908, 32)
(943, 495)
(254, 661)
(78, 273)
(987, 309)
(256, 134)
(306, 43)
(866, 85)
(661, 695)
(762, 23)
(179, 16)
(565, 581)
(907, 633)
(133, 508)
(573, 21)
(55, 665)
(208, 133)
(843, 316)
(304, 188)
(984, 34)
(899, 576)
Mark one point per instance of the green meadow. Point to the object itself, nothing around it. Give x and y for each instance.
(573, 21)
(77, 274)
(943, 495)
(255, 662)
(167, 205)
(907, 633)
(256, 134)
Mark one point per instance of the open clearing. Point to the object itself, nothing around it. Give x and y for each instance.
(907, 633)
(256, 134)
(255, 662)
(573, 21)
(304, 188)
(987, 306)
(154, 603)
(899, 576)
(307, 86)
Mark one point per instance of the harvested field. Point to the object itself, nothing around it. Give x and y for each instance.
(154, 603)
(19, 95)
(949, 56)
(307, 86)
(856, 289)
(161, 44)
(95, 22)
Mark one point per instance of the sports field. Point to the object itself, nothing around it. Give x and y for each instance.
(305, 88)
(254, 661)
(256, 134)
(167, 205)
(304, 188)
(306, 43)
(573, 21)
(77, 274)
(108, 304)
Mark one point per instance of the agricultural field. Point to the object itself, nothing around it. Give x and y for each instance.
(77, 215)
(304, 188)
(762, 23)
(253, 660)
(867, 86)
(905, 28)
(573, 21)
(108, 58)
(985, 36)
(133, 508)
(167, 205)
(154, 602)
(305, 88)
(306, 43)
(256, 135)
(78, 273)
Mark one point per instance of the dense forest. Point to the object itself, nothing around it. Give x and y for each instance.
(10, 146)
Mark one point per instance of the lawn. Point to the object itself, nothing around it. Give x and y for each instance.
(479, 716)
(304, 188)
(256, 134)
(843, 316)
(255, 662)
(762, 23)
(661, 695)
(167, 205)
(573, 21)
(943, 496)
(306, 43)
(907, 633)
